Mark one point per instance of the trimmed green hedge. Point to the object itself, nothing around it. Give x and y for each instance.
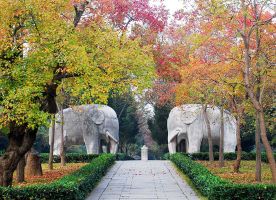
(70, 157)
(227, 156)
(123, 156)
(74, 186)
(216, 188)
(80, 157)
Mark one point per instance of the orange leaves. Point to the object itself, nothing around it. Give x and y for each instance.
(52, 175)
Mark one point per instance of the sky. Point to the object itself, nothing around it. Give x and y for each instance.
(173, 5)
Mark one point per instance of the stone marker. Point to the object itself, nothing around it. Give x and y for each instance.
(104, 147)
(144, 153)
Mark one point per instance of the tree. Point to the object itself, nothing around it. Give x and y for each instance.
(52, 141)
(257, 25)
(91, 60)
(124, 106)
(221, 138)
(233, 35)
(210, 142)
(158, 124)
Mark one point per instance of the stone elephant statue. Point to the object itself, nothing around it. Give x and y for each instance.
(90, 125)
(187, 128)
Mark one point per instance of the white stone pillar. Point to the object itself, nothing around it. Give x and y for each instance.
(104, 148)
(144, 153)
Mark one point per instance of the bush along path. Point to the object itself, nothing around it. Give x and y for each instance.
(80, 157)
(74, 186)
(216, 188)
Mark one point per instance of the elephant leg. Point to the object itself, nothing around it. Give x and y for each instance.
(91, 140)
(230, 144)
(229, 148)
(57, 142)
(172, 145)
(56, 148)
(194, 146)
(113, 146)
(230, 139)
(194, 140)
(92, 146)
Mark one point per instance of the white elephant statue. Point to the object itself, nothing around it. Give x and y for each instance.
(90, 125)
(187, 128)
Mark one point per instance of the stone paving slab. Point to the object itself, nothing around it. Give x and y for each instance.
(142, 180)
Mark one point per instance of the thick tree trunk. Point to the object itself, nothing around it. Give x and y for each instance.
(21, 140)
(20, 175)
(239, 148)
(33, 164)
(210, 142)
(221, 140)
(62, 153)
(51, 154)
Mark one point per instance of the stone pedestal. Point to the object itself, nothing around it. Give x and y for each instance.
(104, 149)
(144, 153)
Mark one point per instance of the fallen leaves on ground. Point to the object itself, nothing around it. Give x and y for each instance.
(51, 175)
(246, 175)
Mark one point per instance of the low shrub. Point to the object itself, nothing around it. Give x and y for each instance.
(166, 156)
(70, 158)
(74, 186)
(215, 187)
(227, 156)
(243, 191)
(80, 157)
(123, 156)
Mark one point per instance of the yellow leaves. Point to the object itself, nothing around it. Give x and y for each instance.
(98, 60)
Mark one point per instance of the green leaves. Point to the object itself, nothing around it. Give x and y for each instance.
(90, 61)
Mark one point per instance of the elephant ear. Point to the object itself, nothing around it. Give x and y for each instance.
(98, 117)
(189, 114)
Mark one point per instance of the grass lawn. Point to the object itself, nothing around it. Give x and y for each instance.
(246, 175)
(50, 175)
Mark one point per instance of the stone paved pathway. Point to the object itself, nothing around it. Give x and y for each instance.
(142, 180)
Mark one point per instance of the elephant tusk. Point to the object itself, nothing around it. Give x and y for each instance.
(111, 136)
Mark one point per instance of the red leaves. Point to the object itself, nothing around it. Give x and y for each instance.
(123, 12)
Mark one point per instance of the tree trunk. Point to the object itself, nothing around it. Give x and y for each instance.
(20, 175)
(221, 139)
(62, 153)
(33, 164)
(143, 126)
(239, 148)
(210, 142)
(258, 173)
(21, 140)
(51, 154)
(268, 149)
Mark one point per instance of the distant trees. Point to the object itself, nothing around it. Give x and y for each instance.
(124, 106)
(158, 124)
